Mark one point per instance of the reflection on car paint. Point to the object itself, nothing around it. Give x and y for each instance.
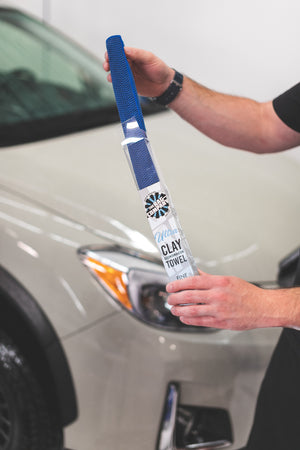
(244, 253)
(73, 296)
(20, 223)
(28, 249)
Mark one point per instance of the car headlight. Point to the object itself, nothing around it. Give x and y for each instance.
(136, 283)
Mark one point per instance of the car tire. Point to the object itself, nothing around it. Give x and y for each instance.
(26, 420)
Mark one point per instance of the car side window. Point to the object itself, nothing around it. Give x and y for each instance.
(45, 78)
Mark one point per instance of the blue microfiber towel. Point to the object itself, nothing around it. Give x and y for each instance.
(129, 108)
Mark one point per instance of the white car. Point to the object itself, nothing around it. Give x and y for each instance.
(90, 356)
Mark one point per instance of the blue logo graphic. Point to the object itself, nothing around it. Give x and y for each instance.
(156, 205)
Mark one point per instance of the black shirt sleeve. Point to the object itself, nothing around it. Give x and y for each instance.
(287, 107)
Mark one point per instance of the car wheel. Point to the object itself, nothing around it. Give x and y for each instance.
(26, 421)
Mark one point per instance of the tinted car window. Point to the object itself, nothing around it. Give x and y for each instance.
(48, 85)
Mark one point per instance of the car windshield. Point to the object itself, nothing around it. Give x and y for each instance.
(49, 86)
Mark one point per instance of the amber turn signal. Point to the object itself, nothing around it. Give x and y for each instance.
(113, 280)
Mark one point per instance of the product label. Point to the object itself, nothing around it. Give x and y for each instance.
(167, 232)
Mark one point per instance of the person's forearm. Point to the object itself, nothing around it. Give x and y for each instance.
(233, 121)
(285, 304)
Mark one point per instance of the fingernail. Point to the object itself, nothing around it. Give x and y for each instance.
(169, 287)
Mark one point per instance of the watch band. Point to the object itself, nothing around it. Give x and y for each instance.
(171, 92)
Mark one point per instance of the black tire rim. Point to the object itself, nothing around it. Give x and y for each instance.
(5, 422)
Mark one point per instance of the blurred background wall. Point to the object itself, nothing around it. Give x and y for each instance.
(244, 47)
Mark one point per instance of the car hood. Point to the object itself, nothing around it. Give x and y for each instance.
(239, 211)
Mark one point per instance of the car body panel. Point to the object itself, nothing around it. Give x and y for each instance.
(239, 211)
(40, 249)
(132, 366)
(112, 355)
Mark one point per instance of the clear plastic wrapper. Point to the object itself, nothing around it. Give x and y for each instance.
(159, 209)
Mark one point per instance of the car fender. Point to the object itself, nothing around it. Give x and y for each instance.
(24, 320)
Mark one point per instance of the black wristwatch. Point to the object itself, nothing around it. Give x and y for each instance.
(171, 92)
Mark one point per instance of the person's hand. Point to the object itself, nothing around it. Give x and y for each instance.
(224, 302)
(152, 76)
